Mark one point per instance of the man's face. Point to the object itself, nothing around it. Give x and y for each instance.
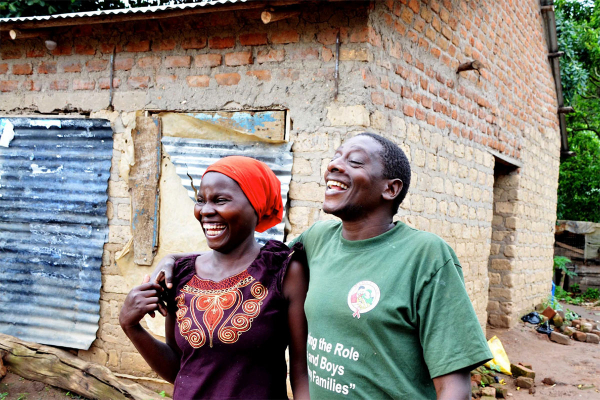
(354, 179)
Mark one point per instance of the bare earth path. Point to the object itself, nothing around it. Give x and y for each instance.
(569, 366)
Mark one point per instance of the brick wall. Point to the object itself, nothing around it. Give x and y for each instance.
(398, 63)
(447, 121)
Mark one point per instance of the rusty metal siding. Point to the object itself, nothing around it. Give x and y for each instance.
(193, 156)
(53, 226)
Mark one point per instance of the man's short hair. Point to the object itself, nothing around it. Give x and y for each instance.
(395, 165)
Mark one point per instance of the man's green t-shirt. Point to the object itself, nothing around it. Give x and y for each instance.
(386, 315)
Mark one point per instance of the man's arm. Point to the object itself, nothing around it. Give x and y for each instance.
(453, 386)
(167, 264)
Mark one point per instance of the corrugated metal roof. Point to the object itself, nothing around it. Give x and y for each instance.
(193, 156)
(53, 226)
(122, 11)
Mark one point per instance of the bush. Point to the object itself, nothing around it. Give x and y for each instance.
(575, 288)
(591, 294)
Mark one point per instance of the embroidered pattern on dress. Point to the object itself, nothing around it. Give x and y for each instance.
(209, 302)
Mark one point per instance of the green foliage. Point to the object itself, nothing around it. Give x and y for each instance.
(3, 395)
(22, 396)
(575, 288)
(27, 8)
(560, 293)
(552, 302)
(561, 262)
(591, 294)
(579, 180)
(570, 297)
(162, 393)
(578, 27)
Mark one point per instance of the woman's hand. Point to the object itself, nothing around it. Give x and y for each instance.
(164, 358)
(140, 301)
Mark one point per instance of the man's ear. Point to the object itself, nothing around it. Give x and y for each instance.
(392, 189)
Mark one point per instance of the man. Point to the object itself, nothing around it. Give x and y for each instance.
(388, 314)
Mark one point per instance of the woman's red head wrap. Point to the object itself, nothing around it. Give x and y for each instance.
(259, 184)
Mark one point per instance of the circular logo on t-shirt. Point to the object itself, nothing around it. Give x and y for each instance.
(363, 297)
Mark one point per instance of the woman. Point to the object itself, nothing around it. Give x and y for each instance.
(233, 310)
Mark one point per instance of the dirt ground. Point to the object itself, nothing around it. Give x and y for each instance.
(13, 387)
(570, 366)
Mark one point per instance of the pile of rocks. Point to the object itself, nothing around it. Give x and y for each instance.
(582, 330)
(525, 376)
(485, 385)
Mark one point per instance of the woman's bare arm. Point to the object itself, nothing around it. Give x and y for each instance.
(295, 286)
(164, 358)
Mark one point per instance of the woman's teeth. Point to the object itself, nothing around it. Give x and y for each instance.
(213, 229)
(337, 184)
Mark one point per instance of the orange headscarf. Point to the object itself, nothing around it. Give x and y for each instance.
(259, 184)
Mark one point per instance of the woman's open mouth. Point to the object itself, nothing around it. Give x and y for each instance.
(213, 230)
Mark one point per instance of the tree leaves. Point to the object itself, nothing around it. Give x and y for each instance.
(578, 27)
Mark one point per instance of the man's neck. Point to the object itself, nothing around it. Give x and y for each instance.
(367, 227)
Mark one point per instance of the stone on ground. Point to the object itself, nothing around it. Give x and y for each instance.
(549, 381)
(521, 370)
(524, 382)
(488, 391)
(560, 338)
(557, 320)
(591, 338)
(549, 312)
(580, 336)
(501, 391)
(569, 330)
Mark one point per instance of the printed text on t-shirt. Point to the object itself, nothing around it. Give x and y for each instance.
(329, 364)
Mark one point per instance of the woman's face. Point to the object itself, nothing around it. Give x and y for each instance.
(226, 215)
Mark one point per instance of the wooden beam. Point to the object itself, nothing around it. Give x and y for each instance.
(506, 160)
(573, 249)
(17, 34)
(143, 182)
(64, 370)
(471, 65)
(557, 54)
(271, 15)
(566, 110)
(114, 18)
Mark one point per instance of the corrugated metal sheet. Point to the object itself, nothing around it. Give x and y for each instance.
(122, 11)
(193, 156)
(53, 226)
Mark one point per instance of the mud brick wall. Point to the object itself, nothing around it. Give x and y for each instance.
(397, 77)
